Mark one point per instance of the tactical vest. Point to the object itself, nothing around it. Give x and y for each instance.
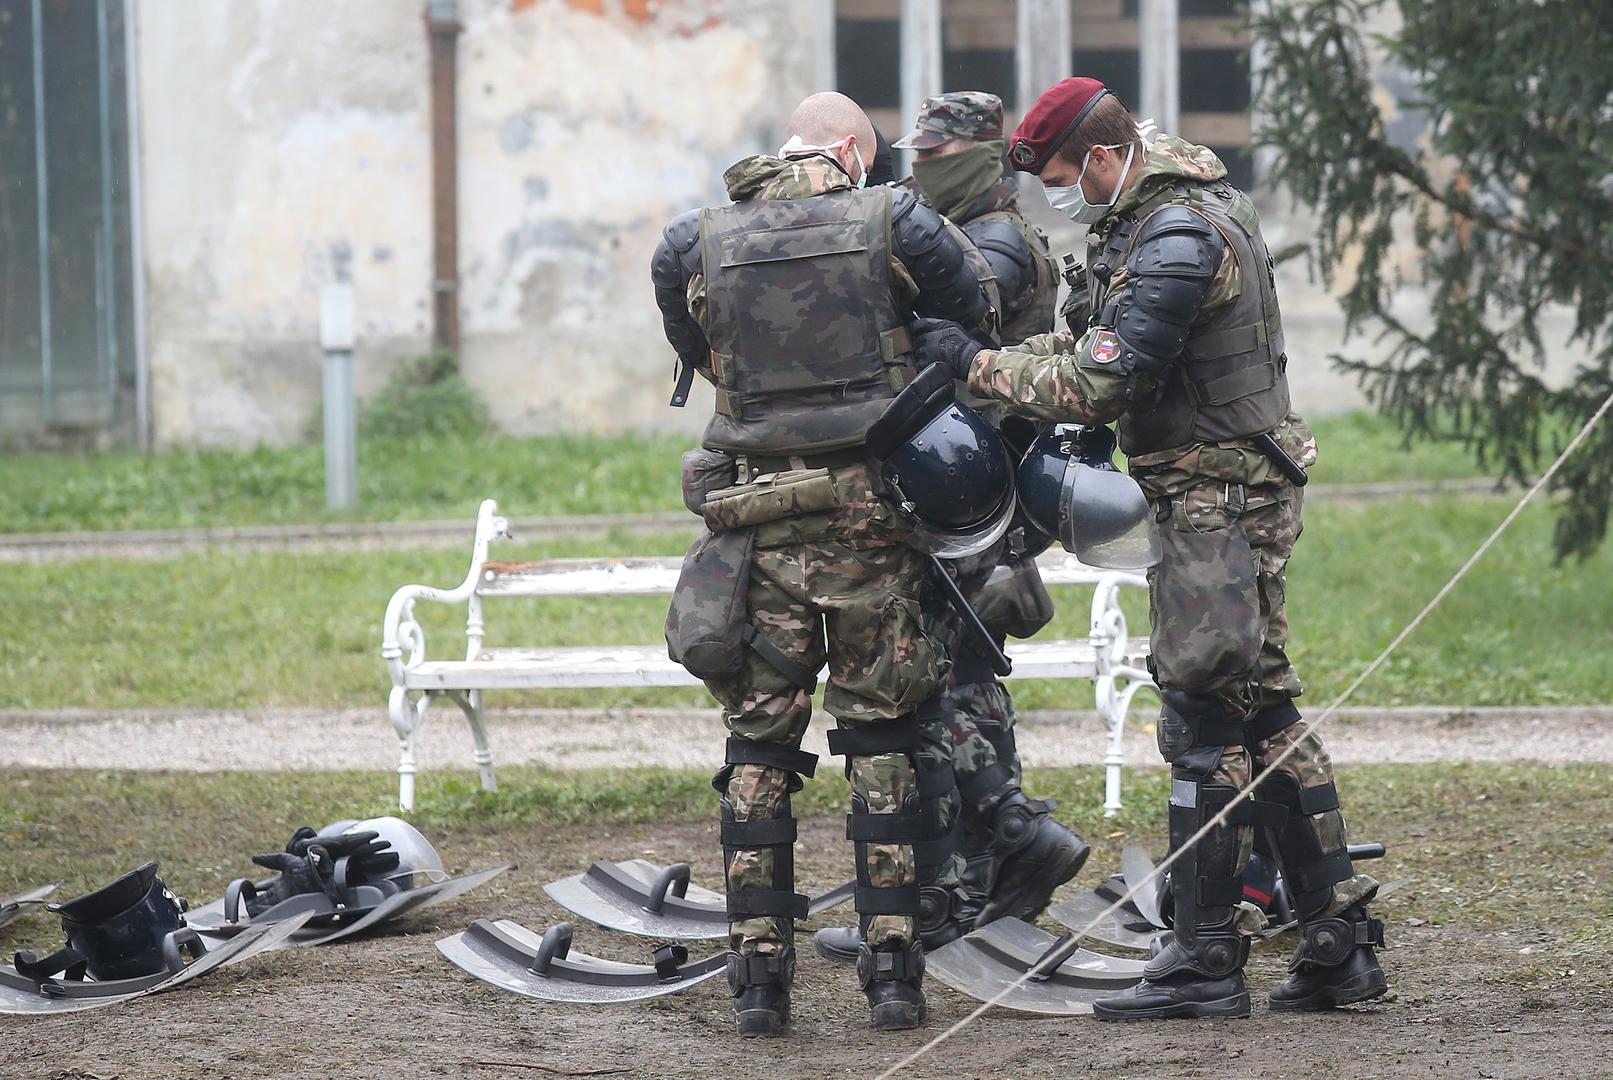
(1035, 315)
(1232, 380)
(806, 343)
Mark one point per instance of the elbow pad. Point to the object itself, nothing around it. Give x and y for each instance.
(947, 287)
(675, 263)
(1173, 261)
(1011, 261)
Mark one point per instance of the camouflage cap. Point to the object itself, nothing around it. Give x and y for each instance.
(973, 115)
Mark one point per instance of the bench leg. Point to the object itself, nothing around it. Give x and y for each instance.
(407, 715)
(470, 703)
(1114, 702)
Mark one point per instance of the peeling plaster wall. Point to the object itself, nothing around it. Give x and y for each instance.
(285, 137)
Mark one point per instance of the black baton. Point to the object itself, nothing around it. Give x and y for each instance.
(971, 621)
(1279, 457)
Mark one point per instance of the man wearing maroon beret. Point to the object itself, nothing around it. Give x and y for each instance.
(1179, 338)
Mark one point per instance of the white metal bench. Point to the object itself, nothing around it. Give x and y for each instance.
(1113, 661)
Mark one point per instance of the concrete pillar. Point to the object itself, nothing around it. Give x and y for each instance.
(1041, 48)
(920, 62)
(1159, 56)
(823, 30)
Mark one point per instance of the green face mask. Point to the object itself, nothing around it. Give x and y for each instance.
(954, 182)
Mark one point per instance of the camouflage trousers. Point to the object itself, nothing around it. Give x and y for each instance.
(972, 727)
(837, 587)
(1220, 629)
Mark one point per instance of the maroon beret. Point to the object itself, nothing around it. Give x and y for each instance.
(1051, 121)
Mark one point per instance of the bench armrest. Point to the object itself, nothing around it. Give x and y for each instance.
(400, 631)
(1108, 633)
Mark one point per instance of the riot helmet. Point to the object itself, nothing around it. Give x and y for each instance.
(945, 468)
(1070, 489)
(418, 861)
(126, 929)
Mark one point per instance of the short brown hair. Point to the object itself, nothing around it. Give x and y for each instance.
(1108, 124)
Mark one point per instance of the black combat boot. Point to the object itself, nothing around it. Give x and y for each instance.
(760, 988)
(1032, 855)
(1336, 964)
(948, 914)
(1202, 980)
(892, 978)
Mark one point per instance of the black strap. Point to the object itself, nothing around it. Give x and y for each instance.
(889, 828)
(680, 392)
(890, 900)
(764, 832)
(893, 965)
(1269, 721)
(747, 903)
(936, 781)
(1320, 873)
(667, 959)
(757, 970)
(899, 736)
(1319, 799)
(928, 855)
(798, 674)
(976, 786)
(1263, 815)
(777, 755)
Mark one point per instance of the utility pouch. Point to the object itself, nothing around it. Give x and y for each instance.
(1013, 600)
(708, 627)
(706, 471)
(770, 498)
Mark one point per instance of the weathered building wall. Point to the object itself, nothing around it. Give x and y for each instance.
(284, 137)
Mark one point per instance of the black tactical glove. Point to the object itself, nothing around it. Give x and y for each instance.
(367, 856)
(940, 341)
(298, 874)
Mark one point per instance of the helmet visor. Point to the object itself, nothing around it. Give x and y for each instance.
(1105, 520)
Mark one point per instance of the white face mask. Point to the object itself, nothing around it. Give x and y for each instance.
(796, 148)
(1072, 202)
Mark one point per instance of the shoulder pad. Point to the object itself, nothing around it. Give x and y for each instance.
(915, 228)
(683, 231)
(1176, 242)
(677, 256)
(997, 235)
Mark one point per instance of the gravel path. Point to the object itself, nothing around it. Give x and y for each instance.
(303, 739)
(371, 536)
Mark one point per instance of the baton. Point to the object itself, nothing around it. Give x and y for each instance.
(971, 621)
(1279, 457)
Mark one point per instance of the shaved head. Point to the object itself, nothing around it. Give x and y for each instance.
(827, 118)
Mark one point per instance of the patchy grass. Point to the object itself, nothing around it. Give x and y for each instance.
(230, 630)
(1520, 850)
(445, 478)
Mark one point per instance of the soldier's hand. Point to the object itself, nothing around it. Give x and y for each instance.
(939, 341)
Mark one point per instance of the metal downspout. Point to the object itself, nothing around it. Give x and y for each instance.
(443, 28)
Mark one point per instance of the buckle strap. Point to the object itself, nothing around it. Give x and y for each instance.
(889, 828)
(753, 752)
(667, 959)
(680, 389)
(887, 900)
(747, 903)
(759, 970)
(1319, 799)
(763, 832)
(900, 736)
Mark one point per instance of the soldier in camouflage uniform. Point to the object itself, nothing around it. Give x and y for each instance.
(969, 727)
(1182, 342)
(793, 302)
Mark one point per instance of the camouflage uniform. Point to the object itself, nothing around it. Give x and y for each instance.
(1228, 522)
(793, 304)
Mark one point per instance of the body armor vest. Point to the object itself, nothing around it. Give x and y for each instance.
(1035, 310)
(806, 343)
(1231, 381)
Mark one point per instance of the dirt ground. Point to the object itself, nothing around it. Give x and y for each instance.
(1465, 1002)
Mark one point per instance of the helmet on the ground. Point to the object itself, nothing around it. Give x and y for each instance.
(1069, 488)
(418, 861)
(944, 467)
(122, 929)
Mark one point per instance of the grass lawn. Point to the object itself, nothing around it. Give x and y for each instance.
(229, 630)
(429, 480)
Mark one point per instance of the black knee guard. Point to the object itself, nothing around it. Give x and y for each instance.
(906, 828)
(775, 834)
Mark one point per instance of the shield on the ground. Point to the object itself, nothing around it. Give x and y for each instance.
(511, 957)
(11, 906)
(1135, 866)
(22, 996)
(1123, 928)
(1003, 958)
(638, 897)
(209, 921)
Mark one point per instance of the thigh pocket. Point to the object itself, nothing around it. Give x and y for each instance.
(1205, 596)
(892, 667)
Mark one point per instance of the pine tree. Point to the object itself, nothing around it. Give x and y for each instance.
(1506, 191)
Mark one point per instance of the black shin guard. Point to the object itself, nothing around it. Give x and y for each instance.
(775, 835)
(1309, 869)
(906, 828)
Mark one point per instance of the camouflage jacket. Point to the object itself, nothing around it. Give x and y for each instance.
(1051, 377)
(762, 176)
